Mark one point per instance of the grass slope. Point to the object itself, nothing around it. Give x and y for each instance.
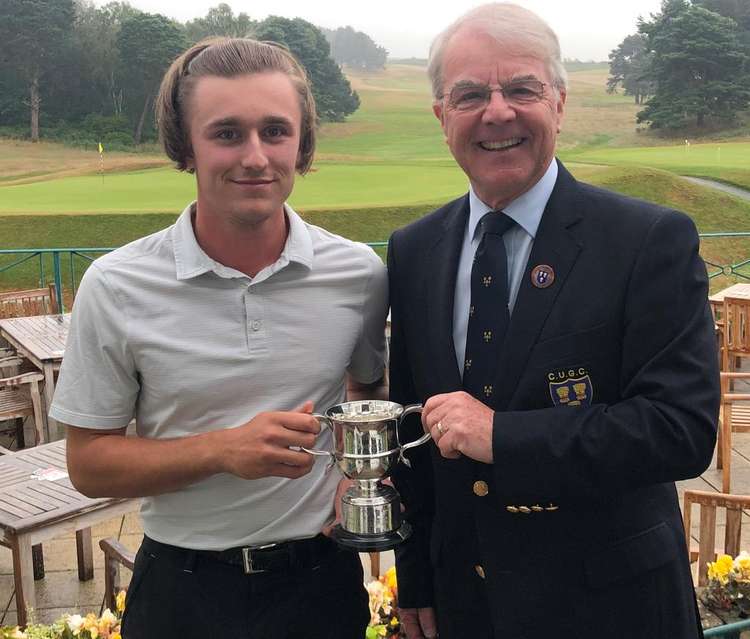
(726, 161)
(712, 211)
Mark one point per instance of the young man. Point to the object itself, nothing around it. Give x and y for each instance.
(219, 335)
(560, 337)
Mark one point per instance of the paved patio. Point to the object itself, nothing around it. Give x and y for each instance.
(60, 591)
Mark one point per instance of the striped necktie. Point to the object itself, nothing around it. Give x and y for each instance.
(488, 314)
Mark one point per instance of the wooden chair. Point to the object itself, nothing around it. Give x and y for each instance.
(115, 555)
(37, 301)
(735, 332)
(20, 398)
(706, 550)
(734, 416)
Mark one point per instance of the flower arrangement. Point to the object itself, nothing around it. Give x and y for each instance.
(383, 620)
(729, 583)
(74, 626)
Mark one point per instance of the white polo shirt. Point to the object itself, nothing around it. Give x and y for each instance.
(163, 332)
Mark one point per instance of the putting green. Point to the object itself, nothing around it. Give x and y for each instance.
(166, 190)
(713, 157)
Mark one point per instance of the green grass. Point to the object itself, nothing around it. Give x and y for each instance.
(391, 152)
(331, 185)
(726, 161)
(102, 231)
(712, 211)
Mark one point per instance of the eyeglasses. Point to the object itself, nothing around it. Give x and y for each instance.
(466, 96)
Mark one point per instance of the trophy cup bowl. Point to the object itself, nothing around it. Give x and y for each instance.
(366, 448)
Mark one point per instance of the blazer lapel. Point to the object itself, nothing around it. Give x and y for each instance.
(440, 284)
(555, 245)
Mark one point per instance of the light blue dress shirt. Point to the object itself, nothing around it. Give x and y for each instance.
(526, 211)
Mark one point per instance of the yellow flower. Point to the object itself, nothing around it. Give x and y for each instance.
(89, 621)
(115, 635)
(389, 578)
(719, 570)
(741, 571)
(107, 620)
(120, 601)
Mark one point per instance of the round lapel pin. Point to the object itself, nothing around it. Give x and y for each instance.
(542, 276)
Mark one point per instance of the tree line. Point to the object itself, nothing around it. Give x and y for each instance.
(688, 65)
(70, 70)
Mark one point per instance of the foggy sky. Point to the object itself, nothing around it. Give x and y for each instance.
(588, 29)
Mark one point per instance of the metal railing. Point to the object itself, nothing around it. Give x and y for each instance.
(52, 258)
(67, 264)
(735, 270)
(730, 630)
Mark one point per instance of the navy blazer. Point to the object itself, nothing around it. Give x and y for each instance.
(606, 393)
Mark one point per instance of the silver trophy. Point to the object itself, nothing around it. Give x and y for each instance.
(366, 448)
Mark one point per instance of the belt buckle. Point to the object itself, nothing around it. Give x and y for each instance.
(247, 558)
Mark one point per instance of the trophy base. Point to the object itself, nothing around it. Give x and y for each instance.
(370, 543)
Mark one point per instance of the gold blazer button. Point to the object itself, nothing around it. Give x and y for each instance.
(480, 571)
(511, 509)
(481, 489)
(524, 509)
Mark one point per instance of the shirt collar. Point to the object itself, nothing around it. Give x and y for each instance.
(191, 260)
(526, 210)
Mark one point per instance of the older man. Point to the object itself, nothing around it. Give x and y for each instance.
(560, 339)
(219, 334)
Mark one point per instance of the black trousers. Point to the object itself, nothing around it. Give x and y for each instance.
(179, 593)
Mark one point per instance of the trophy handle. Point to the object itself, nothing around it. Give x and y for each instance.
(409, 410)
(324, 422)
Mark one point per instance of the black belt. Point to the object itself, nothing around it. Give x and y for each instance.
(278, 557)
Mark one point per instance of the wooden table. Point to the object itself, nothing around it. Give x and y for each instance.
(735, 290)
(716, 300)
(41, 339)
(37, 503)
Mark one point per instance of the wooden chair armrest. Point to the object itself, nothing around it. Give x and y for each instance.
(735, 397)
(114, 549)
(734, 375)
(26, 378)
(115, 555)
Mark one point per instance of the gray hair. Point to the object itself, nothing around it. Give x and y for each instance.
(507, 24)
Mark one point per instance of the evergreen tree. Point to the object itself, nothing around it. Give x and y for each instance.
(333, 93)
(147, 44)
(628, 67)
(699, 67)
(219, 21)
(355, 49)
(35, 36)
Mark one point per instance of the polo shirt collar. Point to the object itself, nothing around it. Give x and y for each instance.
(526, 210)
(191, 260)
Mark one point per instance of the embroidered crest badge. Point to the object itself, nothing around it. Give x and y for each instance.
(571, 387)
